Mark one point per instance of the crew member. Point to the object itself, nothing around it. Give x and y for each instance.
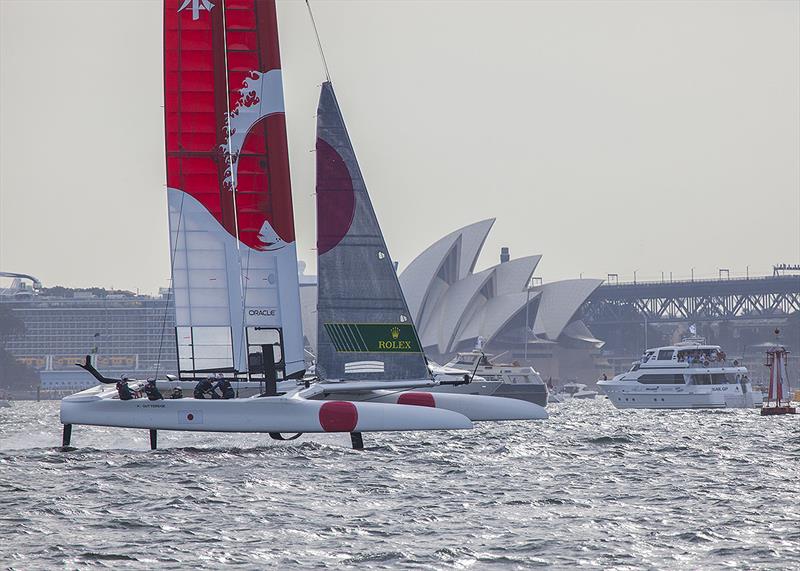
(123, 390)
(177, 393)
(151, 390)
(225, 389)
(204, 387)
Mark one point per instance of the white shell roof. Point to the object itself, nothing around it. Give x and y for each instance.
(578, 330)
(464, 243)
(515, 275)
(558, 304)
(466, 305)
(494, 315)
(454, 304)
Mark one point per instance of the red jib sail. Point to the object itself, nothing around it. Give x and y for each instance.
(231, 221)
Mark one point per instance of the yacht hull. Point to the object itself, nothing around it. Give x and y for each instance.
(671, 398)
(536, 394)
(529, 392)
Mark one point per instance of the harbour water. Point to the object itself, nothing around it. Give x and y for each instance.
(592, 486)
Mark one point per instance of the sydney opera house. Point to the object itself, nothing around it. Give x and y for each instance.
(454, 308)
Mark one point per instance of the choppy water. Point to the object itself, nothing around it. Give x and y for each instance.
(592, 486)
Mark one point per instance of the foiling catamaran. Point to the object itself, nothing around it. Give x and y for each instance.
(234, 260)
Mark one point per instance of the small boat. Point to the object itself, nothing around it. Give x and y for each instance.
(690, 374)
(5, 403)
(576, 391)
(509, 380)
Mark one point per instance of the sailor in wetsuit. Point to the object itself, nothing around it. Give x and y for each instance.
(205, 387)
(225, 388)
(123, 390)
(151, 390)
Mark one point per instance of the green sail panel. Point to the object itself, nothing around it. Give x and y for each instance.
(373, 337)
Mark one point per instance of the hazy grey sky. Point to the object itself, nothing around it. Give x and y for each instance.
(607, 136)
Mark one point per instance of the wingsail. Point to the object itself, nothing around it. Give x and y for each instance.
(364, 326)
(230, 204)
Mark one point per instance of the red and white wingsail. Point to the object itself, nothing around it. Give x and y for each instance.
(230, 204)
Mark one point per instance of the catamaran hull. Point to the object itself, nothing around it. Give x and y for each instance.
(267, 414)
(534, 393)
(475, 407)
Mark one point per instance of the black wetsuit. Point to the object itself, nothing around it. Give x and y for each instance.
(124, 390)
(226, 389)
(202, 388)
(152, 392)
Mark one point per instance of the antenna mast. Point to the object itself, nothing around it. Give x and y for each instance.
(319, 43)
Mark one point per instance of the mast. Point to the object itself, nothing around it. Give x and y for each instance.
(234, 260)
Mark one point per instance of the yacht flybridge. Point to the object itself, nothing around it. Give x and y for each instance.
(234, 261)
(690, 374)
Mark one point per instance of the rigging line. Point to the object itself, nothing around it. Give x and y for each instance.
(169, 291)
(319, 43)
(242, 280)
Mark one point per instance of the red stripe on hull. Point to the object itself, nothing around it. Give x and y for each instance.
(417, 399)
(338, 416)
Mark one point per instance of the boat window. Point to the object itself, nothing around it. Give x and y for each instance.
(661, 379)
(665, 355)
(204, 348)
(701, 379)
(723, 378)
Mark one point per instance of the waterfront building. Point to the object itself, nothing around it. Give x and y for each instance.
(123, 332)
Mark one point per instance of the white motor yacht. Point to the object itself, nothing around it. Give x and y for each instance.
(508, 380)
(690, 374)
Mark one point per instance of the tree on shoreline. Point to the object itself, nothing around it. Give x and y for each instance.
(13, 374)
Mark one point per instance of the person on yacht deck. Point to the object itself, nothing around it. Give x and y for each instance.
(204, 387)
(151, 390)
(224, 387)
(123, 390)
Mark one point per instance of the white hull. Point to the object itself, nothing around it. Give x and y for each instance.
(585, 395)
(686, 397)
(475, 407)
(291, 413)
